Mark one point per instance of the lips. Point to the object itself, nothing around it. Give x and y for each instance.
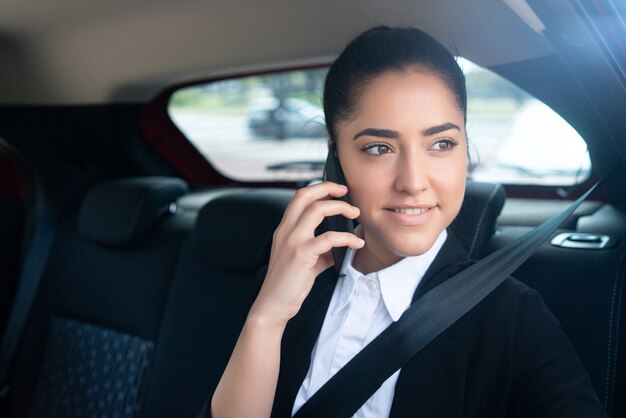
(410, 211)
(411, 215)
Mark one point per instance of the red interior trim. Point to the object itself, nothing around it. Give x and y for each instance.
(11, 186)
(159, 132)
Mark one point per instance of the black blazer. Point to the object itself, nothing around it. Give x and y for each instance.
(507, 357)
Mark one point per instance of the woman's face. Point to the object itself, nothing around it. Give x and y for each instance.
(403, 154)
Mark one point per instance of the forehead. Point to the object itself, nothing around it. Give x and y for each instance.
(418, 94)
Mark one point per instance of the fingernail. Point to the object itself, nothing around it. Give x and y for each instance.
(361, 241)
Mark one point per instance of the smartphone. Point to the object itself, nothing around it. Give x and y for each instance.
(334, 173)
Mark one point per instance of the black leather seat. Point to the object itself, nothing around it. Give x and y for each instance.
(475, 224)
(220, 271)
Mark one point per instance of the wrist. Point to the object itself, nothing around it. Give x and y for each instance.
(259, 319)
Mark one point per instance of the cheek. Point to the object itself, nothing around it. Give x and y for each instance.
(367, 185)
(450, 184)
(365, 189)
(357, 178)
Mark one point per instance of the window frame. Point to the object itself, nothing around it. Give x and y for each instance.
(160, 132)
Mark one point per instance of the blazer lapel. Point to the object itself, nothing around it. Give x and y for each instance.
(432, 383)
(452, 258)
(298, 341)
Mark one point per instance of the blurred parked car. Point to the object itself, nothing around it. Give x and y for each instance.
(272, 117)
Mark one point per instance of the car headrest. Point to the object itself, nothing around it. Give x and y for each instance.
(234, 232)
(476, 221)
(121, 211)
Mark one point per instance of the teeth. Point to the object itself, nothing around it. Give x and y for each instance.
(411, 211)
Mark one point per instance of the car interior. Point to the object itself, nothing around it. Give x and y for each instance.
(129, 256)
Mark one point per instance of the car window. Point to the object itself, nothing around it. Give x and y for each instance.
(271, 128)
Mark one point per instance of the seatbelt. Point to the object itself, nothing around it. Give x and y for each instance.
(427, 318)
(30, 276)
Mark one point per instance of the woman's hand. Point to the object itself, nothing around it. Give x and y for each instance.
(297, 255)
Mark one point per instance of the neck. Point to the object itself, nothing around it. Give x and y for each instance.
(369, 259)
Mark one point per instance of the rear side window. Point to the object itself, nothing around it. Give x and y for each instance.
(271, 128)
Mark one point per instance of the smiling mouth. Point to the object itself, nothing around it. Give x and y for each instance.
(410, 211)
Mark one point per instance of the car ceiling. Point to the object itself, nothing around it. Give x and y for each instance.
(95, 51)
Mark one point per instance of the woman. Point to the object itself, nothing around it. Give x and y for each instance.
(395, 106)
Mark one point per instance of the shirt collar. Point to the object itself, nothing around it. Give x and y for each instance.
(348, 277)
(397, 282)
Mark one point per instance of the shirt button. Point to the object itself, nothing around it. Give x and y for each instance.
(372, 285)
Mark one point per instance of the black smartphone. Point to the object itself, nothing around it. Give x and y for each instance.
(334, 173)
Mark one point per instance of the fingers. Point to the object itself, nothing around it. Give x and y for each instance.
(307, 195)
(328, 240)
(297, 256)
(317, 211)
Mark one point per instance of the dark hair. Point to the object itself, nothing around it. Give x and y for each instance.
(380, 50)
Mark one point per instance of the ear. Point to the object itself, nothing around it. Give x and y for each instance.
(329, 143)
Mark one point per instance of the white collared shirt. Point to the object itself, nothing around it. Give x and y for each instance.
(362, 306)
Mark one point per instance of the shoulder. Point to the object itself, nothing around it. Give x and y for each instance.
(510, 304)
(511, 290)
(524, 300)
(513, 287)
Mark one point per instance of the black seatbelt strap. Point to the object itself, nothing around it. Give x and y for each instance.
(427, 318)
(32, 269)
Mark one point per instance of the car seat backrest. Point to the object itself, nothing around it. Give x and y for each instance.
(101, 297)
(220, 271)
(475, 223)
(233, 233)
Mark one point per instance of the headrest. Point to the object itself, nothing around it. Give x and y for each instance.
(234, 232)
(121, 211)
(476, 221)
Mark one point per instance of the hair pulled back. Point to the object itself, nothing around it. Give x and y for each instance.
(380, 50)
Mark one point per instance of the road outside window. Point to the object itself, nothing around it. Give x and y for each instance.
(271, 128)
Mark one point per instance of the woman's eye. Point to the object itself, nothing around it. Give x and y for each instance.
(377, 149)
(444, 144)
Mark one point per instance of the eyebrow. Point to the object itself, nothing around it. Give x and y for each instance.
(440, 128)
(381, 133)
(387, 133)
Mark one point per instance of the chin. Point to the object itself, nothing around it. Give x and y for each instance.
(411, 247)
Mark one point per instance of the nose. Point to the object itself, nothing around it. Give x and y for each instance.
(411, 174)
